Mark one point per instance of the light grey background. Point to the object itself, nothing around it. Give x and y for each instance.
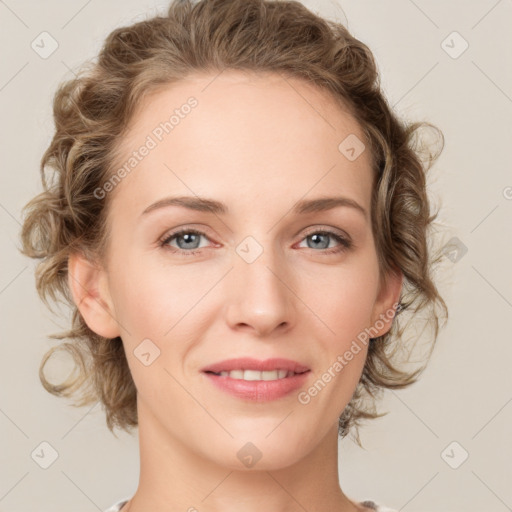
(465, 395)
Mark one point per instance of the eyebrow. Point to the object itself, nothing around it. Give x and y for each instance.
(202, 204)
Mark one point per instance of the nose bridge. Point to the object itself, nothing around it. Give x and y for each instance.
(261, 297)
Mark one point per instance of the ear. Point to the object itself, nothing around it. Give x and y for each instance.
(88, 284)
(386, 303)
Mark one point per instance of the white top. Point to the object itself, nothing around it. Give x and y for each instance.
(116, 507)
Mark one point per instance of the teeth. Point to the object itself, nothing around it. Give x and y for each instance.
(256, 375)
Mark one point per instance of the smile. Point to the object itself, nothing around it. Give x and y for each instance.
(258, 386)
(256, 375)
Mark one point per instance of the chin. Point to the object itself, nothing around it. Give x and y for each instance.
(260, 452)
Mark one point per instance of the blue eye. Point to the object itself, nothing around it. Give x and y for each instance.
(317, 236)
(190, 237)
(188, 241)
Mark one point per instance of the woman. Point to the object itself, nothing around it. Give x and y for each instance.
(237, 217)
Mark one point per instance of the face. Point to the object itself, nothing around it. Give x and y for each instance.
(254, 272)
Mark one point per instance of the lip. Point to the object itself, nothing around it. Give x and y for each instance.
(258, 390)
(249, 363)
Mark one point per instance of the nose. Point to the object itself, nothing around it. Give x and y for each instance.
(261, 299)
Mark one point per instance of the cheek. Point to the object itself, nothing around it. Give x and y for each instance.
(342, 298)
(150, 308)
(342, 302)
(149, 301)
(350, 313)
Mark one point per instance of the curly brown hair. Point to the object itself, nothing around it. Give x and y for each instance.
(92, 111)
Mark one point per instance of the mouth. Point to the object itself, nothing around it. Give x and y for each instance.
(254, 367)
(253, 386)
(257, 380)
(251, 375)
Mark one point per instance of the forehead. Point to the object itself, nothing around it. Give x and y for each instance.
(262, 136)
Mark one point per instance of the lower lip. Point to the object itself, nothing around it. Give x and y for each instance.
(259, 390)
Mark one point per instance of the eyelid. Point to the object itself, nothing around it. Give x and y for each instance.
(186, 228)
(329, 229)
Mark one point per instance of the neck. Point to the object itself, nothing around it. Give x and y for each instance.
(174, 477)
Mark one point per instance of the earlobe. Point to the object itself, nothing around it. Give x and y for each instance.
(387, 301)
(89, 288)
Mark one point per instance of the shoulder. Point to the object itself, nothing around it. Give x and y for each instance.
(116, 507)
(371, 505)
(368, 504)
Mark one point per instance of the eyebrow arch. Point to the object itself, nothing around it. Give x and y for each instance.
(302, 207)
(326, 203)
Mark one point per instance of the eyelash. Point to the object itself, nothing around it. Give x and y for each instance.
(346, 244)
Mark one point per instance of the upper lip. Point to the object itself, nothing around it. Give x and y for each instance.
(248, 363)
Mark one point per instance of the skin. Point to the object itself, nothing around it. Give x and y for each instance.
(258, 143)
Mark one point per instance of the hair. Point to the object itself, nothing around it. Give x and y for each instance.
(91, 114)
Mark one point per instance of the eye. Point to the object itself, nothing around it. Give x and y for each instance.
(320, 239)
(186, 239)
